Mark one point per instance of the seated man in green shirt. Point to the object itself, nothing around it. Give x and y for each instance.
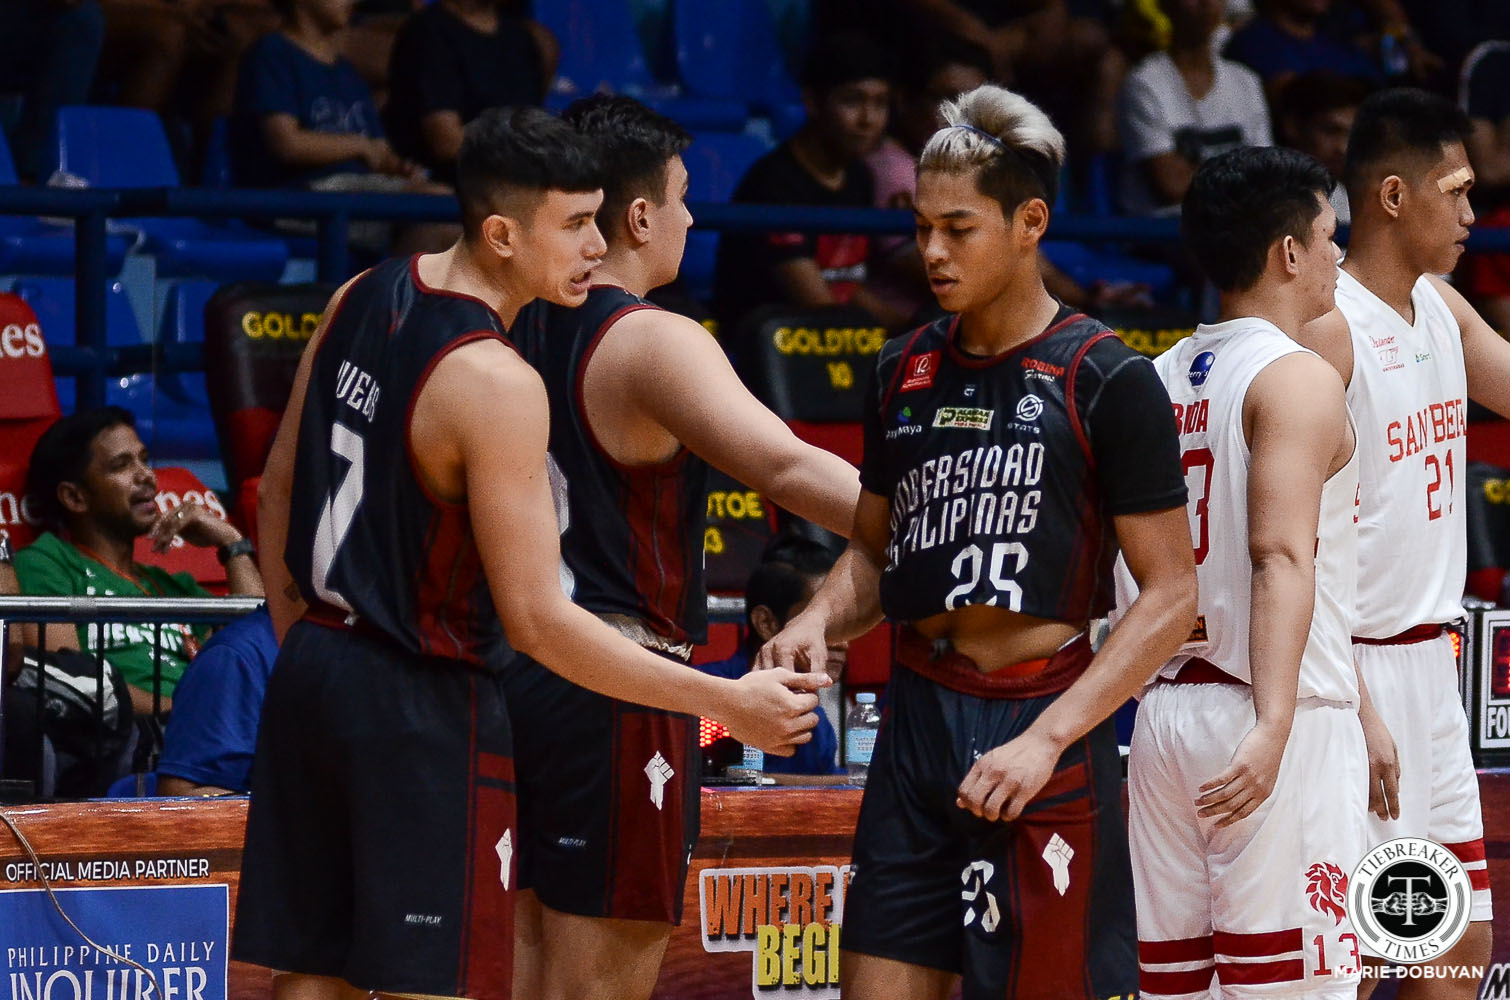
(97, 494)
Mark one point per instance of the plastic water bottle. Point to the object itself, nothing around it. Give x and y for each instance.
(860, 736)
(750, 766)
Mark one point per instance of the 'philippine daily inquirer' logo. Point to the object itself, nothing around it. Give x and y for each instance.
(1410, 900)
(968, 418)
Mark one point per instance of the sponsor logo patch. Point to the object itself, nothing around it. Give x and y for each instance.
(921, 368)
(968, 418)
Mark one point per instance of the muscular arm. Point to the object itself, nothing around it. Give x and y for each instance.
(1486, 355)
(665, 368)
(275, 490)
(1332, 338)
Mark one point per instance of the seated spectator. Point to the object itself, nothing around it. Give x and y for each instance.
(1180, 107)
(1314, 113)
(1485, 95)
(209, 742)
(48, 53)
(790, 573)
(846, 92)
(1288, 37)
(97, 494)
(454, 59)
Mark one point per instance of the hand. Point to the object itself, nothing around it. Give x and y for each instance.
(380, 157)
(773, 709)
(800, 646)
(194, 523)
(1383, 764)
(1004, 781)
(1248, 779)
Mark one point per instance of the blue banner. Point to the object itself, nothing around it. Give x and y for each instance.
(181, 934)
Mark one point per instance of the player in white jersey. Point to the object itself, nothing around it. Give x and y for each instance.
(1248, 779)
(1411, 351)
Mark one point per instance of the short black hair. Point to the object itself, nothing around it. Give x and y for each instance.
(634, 145)
(789, 562)
(508, 151)
(1241, 202)
(61, 455)
(940, 53)
(845, 57)
(1400, 124)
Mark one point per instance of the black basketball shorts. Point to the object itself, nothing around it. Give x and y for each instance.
(609, 795)
(381, 843)
(1037, 909)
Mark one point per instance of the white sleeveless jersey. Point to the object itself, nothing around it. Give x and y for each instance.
(1208, 376)
(1408, 396)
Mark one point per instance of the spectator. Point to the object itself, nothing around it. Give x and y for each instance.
(1485, 95)
(210, 739)
(1180, 107)
(846, 92)
(789, 574)
(48, 53)
(89, 474)
(1314, 113)
(1287, 37)
(454, 59)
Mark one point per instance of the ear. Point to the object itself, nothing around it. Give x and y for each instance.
(637, 219)
(1288, 253)
(501, 235)
(1033, 217)
(1392, 194)
(764, 621)
(71, 496)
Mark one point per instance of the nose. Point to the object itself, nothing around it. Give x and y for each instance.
(597, 247)
(932, 248)
(1468, 216)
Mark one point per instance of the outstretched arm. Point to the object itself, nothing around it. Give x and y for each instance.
(1486, 355)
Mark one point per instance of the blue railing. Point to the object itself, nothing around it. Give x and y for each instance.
(91, 360)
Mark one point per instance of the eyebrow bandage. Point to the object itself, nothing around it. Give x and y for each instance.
(1459, 177)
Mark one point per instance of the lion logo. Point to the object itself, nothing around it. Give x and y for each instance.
(1327, 887)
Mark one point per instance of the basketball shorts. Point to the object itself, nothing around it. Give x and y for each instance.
(609, 798)
(1260, 903)
(1040, 907)
(380, 843)
(1415, 688)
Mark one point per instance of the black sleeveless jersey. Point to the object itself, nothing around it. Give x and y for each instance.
(365, 536)
(631, 536)
(1004, 473)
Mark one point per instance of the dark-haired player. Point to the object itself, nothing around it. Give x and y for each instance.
(406, 498)
(1010, 447)
(1411, 351)
(640, 400)
(1238, 854)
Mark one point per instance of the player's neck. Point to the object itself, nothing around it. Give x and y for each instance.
(1274, 305)
(1023, 311)
(1383, 270)
(459, 270)
(624, 269)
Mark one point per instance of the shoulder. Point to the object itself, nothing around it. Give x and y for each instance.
(1151, 73)
(767, 175)
(1237, 76)
(272, 48)
(47, 556)
(919, 340)
(1300, 387)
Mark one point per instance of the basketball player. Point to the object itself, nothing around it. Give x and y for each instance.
(405, 498)
(1010, 447)
(1411, 350)
(1248, 777)
(609, 792)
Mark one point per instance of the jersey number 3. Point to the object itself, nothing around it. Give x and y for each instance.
(1197, 464)
(339, 511)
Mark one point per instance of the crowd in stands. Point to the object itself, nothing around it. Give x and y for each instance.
(372, 95)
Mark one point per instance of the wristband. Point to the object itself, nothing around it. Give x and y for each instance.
(240, 547)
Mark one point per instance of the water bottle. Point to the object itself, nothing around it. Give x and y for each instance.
(750, 766)
(860, 736)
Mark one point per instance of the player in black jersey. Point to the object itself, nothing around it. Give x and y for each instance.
(1010, 447)
(640, 398)
(406, 498)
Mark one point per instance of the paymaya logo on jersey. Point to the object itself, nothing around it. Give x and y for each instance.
(905, 427)
(905, 417)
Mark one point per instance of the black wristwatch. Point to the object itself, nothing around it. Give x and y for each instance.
(240, 547)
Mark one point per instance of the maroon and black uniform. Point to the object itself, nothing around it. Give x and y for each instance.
(1004, 475)
(608, 791)
(380, 843)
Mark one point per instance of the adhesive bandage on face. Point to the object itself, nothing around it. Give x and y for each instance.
(1459, 177)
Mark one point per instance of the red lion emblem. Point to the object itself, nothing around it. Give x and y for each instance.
(1327, 887)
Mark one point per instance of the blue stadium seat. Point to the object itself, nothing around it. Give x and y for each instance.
(215, 172)
(716, 161)
(90, 145)
(729, 50)
(172, 424)
(183, 323)
(30, 246)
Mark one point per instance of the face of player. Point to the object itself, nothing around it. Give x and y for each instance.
(851, 118)
(118, 491)
(1316, 261)
(669, 222)
(1436, 212)
(970, 249)
(558, 247)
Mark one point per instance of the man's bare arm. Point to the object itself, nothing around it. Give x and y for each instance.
(1486, 355)
(678, 377)
(1332, 338)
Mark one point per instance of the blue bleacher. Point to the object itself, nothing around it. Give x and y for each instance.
(31, 246)
(127, 148)
(729, 50)
(716, 161)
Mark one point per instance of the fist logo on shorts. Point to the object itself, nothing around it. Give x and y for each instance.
(1058, 854)
(659, 772)
(981, 901)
